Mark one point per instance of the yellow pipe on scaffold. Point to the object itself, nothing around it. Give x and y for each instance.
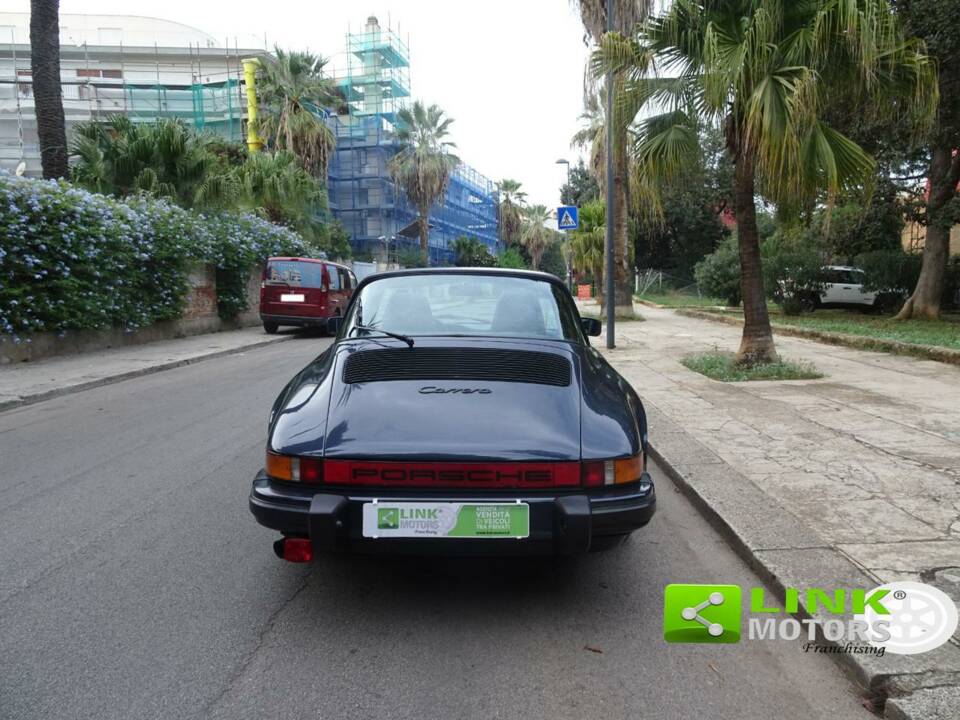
(250, 65)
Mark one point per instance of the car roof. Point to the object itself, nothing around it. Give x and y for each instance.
(495, 272)
(843, 267)
(305, 259)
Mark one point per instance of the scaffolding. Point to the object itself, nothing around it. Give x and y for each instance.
(201, 86)
(378, 218)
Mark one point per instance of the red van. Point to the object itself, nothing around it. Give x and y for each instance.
(303, 292)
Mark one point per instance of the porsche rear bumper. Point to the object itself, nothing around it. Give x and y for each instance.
(559, 523)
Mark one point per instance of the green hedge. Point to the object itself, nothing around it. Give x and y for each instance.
(71, 259)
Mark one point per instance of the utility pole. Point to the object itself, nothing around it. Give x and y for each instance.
(609, 289)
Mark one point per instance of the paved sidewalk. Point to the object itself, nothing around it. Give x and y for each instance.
(25, 383)
(856, 475)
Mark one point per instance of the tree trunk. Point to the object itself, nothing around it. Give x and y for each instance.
(47, 97)
(944, 174)
(622, 285)
(425, 238)
(756, 345)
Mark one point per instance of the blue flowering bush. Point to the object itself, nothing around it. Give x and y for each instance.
(71, 259)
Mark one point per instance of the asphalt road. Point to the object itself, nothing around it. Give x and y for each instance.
(135, 584)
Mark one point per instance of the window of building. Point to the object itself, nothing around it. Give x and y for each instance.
(99, 73)
(25, 88)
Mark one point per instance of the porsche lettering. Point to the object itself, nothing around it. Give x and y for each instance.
(433, 390)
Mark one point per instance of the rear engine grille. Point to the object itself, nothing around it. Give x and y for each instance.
(457, 364)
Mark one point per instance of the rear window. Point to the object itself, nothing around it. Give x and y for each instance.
(468, 304)
(294, 273)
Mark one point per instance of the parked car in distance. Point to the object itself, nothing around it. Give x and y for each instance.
(303, 292)
(459, 411)
(842, 286)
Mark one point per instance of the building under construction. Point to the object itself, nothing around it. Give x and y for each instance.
(144, 68)
(376, 83)
(148, 69)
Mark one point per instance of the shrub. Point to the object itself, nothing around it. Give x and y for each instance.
(71, 259)
(951, 284)
(511, 258)
(718, 274)
(552, 261)
(791, 273)
(890, 269)
(471, 252)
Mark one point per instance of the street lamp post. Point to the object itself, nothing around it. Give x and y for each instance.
(563, 161)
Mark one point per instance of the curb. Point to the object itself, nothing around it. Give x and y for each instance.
(139, 372)
(857, 342)
(787, 553)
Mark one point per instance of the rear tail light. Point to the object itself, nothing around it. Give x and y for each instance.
(612, 472)
(294, 469)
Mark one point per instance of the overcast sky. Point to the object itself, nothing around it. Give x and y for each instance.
(510, 72)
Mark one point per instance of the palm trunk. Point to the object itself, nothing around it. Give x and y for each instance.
(622, 287)
(756, 345)
(47, 96)
(944, 174)
(425, 238)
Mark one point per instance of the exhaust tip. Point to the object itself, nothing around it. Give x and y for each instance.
(298, 550)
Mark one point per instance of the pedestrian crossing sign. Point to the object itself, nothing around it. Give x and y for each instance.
(567, 217)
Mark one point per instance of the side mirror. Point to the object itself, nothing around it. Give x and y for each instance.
(591, 326)
(333, 324)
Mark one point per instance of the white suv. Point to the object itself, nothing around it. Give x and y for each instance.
(842, 286)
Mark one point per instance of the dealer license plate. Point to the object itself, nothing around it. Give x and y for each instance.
(292, 298)
(446, 520)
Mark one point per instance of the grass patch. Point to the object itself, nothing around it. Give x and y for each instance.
(721, 366)
(940, 333)
(937, 333)
(676, 299)
(619, 318)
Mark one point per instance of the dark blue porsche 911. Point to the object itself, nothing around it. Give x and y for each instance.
(458, 411)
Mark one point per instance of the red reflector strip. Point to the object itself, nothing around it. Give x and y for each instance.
(297, 550)
(593, 473)
(452, 475)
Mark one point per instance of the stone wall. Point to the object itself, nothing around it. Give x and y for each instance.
(199, 317)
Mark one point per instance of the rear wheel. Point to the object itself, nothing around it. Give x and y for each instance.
(808, 303)
(270, 327)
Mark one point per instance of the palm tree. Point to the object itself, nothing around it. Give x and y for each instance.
(512, 199)
(164, 159)
(293, 93)
(277, 187)
(535, 235)
(592, 136)
(424, 163)
(45, 77)
(587, 243)
(765, 70)
(626, 15)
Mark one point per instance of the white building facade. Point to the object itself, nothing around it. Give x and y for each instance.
(141, 67)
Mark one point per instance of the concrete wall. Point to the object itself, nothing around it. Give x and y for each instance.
(199, 316)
